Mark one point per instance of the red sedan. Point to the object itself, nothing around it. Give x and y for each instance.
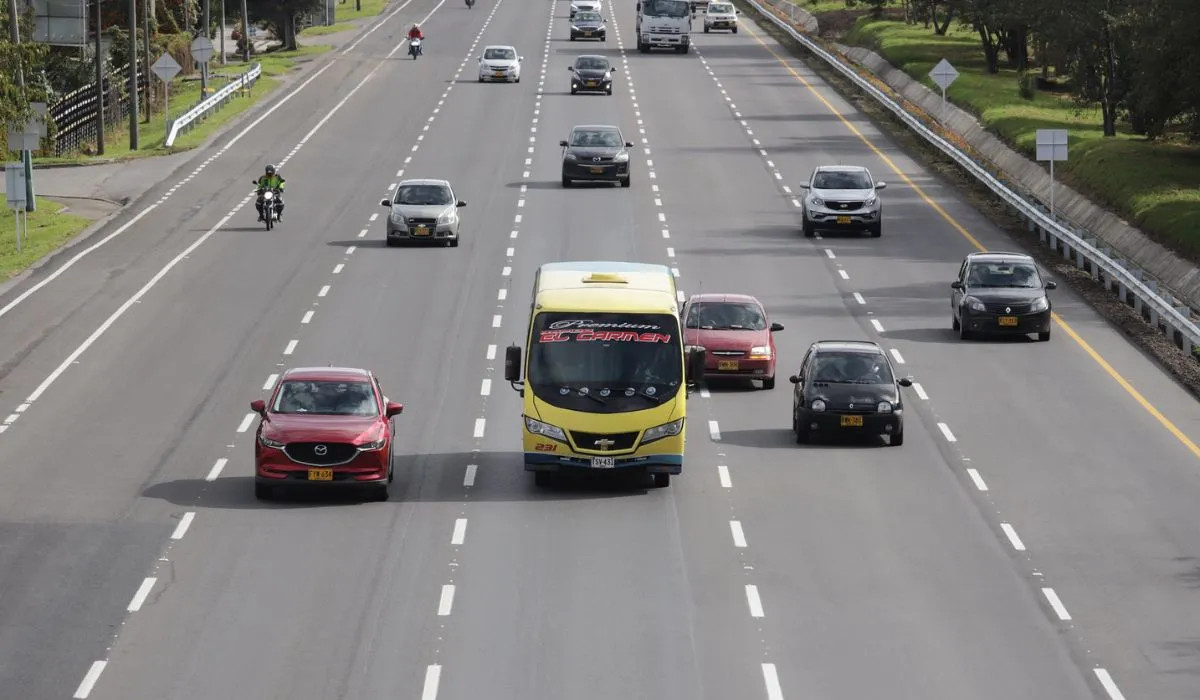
(733, 330)
(325, 426)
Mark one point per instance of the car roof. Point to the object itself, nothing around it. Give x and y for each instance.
(591, 55)
(863, 346)
(327, 374)
(730, 298)
(423, 181)
(500, 46)
(595, 127)
(999, 256)
(841, 169)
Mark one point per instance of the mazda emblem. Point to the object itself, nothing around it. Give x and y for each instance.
(320, 450)
(596, 159)
(1008, 309)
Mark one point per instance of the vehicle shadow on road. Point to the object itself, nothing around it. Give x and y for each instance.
(784, 438)
(729, 385)
(359, 243)
(950, 337)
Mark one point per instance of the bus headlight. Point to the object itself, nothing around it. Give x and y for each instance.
(659, 432)
(545, 429)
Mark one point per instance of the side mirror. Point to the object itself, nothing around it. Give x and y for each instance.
(481, 59)
(1051, 285)
(612, 70)
(394, 409)
(259, 406)
(562, 143)
(570, 69)
(629, 144)
(794, 379)
(512, 363)
(695, 365)
(881, 185)
(638, 7)
(805, 186)
(956, 285)
(461, 204)
(776, 327)
(385, 202)
(905, 381)
(520, 58)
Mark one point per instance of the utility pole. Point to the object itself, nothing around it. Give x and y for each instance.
(99, 85)
(133, 78)
(245, 33)
(222, 34)
(205, 29)
(146, 8)
(26, 157)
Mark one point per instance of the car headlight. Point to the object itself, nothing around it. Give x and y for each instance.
(545, 429)
(621, 158)
(569, 156)
(816, 201)
(884, 407)
(870, 199)
(1040, 305)
(448, 218)
(760, 352)
(373, 445)
(818, 406)
(396, 217)
(268, 442)
(975, 305)
(574, 28)
(659, 432)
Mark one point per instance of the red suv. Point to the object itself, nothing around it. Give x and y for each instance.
(733, 330)
(325, 426)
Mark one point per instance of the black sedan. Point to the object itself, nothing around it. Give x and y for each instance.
(847, 387)
(596, 153)
(588, 25)
(591, 74)
(1001, 294)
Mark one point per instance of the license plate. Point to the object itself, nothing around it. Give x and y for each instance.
(591, 83)
(498, 74)
(587, 33)
(851, 421)
(603, 462)
(1008, 320)
(421, 231)
(843, 219)
(597, 170)
(727, 364)
(320, 475)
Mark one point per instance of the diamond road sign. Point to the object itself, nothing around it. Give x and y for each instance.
(166, 67)
(943, 74)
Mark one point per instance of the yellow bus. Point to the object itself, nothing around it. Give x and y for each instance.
(606, 377)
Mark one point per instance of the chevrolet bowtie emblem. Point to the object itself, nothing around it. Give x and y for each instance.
(604, 444)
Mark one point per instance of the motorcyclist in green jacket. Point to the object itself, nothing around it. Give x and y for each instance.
(271, 180)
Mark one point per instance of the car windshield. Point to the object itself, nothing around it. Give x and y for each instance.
(721, 9)
(326, 398)
(591, 63)
(424, 195)
(605, 362)
(846, 367)
(596, 139)
(587, 17)
(500, 55)
(667, 8)
(1005, 274)
(726, 316)
(835, 180)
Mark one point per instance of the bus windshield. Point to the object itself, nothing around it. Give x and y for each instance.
(667, 8)
(605, 362)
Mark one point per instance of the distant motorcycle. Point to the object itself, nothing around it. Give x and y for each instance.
(470, 4)
(414, 48)
(269, 204)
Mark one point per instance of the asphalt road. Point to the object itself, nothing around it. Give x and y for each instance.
(767, 569)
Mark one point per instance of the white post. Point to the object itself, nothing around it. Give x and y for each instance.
(17, 226)
(1052, 189)
(167, 105)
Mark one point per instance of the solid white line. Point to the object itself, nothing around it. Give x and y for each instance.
(1110, 686)
(878, 326)
(480, 424)
(1012, 537)
(460, 531)
(270, 383)
(469, 477)
(920, 391)
(89, 680)
(771, 678)
(843, 274)
(447, 600)
(184, 523)
(291, 347)
(307, 316)
(897, 356)
(485, 387)
(216, 469)
(433, 676)
(491, 352)
(979, 482)
(946, 432)
(859, 298)
(829, 254)
(324, 291)
(245, 424)
(723, 475)
(739, 536)
(714, 431)
(756, 608)
(143, 592)
(496, 319)
(1059, 608)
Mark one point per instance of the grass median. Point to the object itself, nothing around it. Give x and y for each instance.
(1153, 185)
(48, 230)
(346, 13)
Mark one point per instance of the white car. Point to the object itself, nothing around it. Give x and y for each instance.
(584, 6)
(500, 63)
(842, 198)
(720, 15)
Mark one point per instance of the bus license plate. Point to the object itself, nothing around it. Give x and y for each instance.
(843, 219)
(603, 462)
(851, 421)
(421, 231)
(727, 365)
(1008, 321)
(320, 475)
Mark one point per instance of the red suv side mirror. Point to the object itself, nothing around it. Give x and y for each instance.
(394, 409)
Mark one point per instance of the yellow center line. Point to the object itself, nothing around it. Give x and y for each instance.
(1120, 380)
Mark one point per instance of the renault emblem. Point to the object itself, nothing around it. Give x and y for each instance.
(320, 450)
(1008, 309)
(851, 405)
(604, 444)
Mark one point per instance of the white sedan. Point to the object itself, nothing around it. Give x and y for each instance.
(500, 63)
(584, 6)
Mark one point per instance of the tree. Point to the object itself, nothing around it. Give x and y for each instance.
(281, 15)
(28, 57)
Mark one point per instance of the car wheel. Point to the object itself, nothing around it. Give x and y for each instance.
(706, 29)
(391, 242)
(876, 230)
(566, 181)
(453, 242)
(481, 78)
(627, 181)
(806, 227)
(963, 333)
(608, 91)
(518, 79)
(572, 37)
(897, 438)
(542, 478)
(662, 481)
(801, 434)
(1044, 337)
(263, 492)
(734, 29)
(573, 91)
(380, 492)
(953, 322)
(768, 383)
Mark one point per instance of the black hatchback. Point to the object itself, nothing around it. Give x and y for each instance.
(591, 74)
(847, 387)
(1000, 293)
(596, 153)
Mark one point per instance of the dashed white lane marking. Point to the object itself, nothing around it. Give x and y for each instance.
(844, 274)
(480, 426)
(502, 295)
(1057, 604)
(143, 592)
(714, 430)
(771, 679)
(878, 326)
(1110, 686)
(977, 479)
(705, 394)
(447, 600)
(946, 432)
(89, 680)
(270, 383)
(1013, 538)
(897, 356)
(506, 271)
(291, 346)
(184, 523)
(859, 298)
(829, 254)
(739, 535)
(246, 421)
(12, 418)
(433, 677)
(460, 532)
(723, 475)
(496, 320)
(324, 291)
(920, 391)
(469, 477)
(485, 387)
(338, 268)
(216, 469)
(491, 352)
(755, 602)
(307, 316)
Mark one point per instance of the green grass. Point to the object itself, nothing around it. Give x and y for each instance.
(321, 30)
(48, 230)
(1155, 186)
(346, 12)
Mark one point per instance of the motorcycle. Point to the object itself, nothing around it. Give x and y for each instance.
(269, 204)
(470, 4)
(414, 48)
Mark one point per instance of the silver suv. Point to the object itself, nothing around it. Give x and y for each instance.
(423, 210)
(842, 198)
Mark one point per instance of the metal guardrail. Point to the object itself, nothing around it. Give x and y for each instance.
(1174, 320)
(184, 122)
